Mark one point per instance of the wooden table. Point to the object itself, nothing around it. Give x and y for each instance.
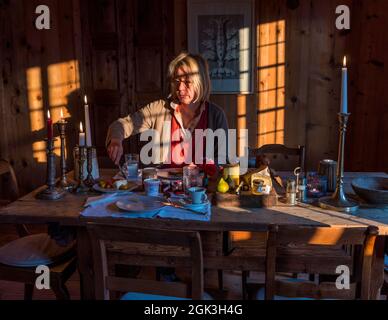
(66, 211)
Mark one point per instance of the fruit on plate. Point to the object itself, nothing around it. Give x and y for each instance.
(120, 183)
(105, 184)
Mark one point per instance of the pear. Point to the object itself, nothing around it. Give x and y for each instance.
(222, 186)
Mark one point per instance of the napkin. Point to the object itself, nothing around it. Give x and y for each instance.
(105, 198)
(104, 206)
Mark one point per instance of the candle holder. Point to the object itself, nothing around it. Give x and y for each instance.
(338, 201)
(51, 193)
(89, 160)
(81, 187)
(63, 183)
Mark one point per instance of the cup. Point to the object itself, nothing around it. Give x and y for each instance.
(151, 187)
(131, 166)
(198, 195)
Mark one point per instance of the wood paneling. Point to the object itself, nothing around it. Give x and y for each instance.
(117, 52)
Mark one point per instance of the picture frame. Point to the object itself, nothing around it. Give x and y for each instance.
(222, 32)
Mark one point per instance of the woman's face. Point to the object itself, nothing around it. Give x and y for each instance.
(184, 87)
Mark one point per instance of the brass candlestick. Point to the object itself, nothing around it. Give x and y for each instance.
(51, 193)
(89, 160)
(81, 187)
(63, 183)
(338, 201)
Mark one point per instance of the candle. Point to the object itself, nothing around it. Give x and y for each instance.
(81, 135)
(344, 88)
(87, 123)
(49, 126)
(62, 116)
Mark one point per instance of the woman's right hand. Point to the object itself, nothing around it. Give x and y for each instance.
(115, 150)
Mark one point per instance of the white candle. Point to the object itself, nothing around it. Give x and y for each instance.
(81, 135)
(344, 88)
(62, 119)
(87, 124)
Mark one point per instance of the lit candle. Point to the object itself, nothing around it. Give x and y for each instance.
(62, 120)
(344, 88)
(87, 123)
(81, 141)
(49, 126)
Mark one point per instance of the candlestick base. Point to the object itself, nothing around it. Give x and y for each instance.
(82, 189)
(66, 185)
(51, 194)
(341, 205)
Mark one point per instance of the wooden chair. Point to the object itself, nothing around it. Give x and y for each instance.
(320, 251)
(261, 259)
(384, 289)
(280, 157)
(143, 247)
(19, 258)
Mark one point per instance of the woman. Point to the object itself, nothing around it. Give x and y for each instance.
(176, 119)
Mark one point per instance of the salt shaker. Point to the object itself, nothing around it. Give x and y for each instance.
(291, 192)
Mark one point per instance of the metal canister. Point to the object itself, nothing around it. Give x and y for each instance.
(328, 169)
(302, 190)
(291, 192)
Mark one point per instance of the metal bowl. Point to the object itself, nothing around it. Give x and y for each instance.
(373, 190)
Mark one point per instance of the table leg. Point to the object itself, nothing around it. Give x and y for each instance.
(85, 264)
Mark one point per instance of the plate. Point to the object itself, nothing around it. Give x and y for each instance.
(170, 174)
(186, 202)
(113, 190)
(138, 204)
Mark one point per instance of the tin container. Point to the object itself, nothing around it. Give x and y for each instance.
(328, 168)
(291, 192)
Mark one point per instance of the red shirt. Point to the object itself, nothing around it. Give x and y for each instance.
(180, 148)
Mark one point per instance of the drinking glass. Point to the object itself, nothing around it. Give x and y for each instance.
(191, 178)
(131, 166)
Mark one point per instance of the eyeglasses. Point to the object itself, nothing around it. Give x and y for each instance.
(186, 82)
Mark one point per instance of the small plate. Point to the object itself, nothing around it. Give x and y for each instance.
(186, 202)
(139, 204)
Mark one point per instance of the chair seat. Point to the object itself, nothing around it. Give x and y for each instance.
(145, 296)
(33, 250)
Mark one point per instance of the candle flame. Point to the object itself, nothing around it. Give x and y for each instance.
(48, 114)
(86, 99)
(61, 113)
(344, 61)
(81, 129)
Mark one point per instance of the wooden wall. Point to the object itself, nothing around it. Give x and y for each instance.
(117, 51)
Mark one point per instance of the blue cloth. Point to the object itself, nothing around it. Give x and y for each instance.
(145, 296)
(105, 206)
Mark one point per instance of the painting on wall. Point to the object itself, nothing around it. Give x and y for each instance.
(221, 31)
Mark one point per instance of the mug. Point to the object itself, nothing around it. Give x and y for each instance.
(151, 187)
(198, 195)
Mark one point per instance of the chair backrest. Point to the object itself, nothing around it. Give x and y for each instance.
(322, 250)
(163, 248)
(10, 181)
(280, 157)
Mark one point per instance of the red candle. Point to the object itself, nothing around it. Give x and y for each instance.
(49, 126)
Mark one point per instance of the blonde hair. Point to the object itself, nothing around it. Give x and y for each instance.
(198, 72)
